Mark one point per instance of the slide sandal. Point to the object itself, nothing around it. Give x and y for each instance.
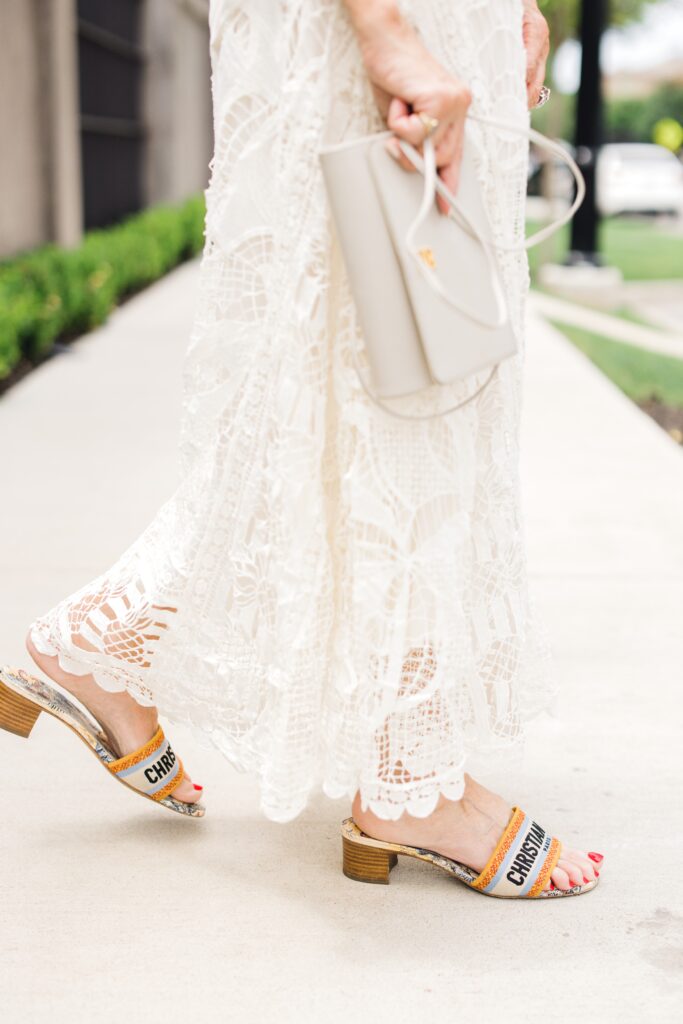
(153, 770)
(519, 867)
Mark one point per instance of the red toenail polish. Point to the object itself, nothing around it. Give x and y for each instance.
(587, 879)
(597, 857)
(198, 788)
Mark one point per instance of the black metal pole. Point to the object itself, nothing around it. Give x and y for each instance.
(584, 245)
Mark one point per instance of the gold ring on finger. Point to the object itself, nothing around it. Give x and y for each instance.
(430, 123)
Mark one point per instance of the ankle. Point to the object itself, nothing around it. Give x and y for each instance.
(409, 829)
(467, 829)
(126, 723)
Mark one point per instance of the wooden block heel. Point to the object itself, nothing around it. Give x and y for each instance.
(367, 865)
(17, 714)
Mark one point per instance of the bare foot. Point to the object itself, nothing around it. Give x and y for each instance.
(468, 831)
(127, 723)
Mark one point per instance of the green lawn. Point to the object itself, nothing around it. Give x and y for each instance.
(626, 313)
(639, 373)
(642, 251)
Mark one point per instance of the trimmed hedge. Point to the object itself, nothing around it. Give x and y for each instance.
(53, 293)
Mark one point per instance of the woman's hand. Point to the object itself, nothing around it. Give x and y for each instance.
(407, 81)
(537, 44)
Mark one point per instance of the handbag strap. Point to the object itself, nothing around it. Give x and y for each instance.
(416, 416)
(426, 166)
(434, 184)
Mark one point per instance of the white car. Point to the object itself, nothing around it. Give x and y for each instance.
(635, 177)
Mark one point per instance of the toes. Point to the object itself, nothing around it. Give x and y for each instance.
(590, 869)
(575, 867)
(572, 870)
(582, 860)
(187, 792)
(560, 878)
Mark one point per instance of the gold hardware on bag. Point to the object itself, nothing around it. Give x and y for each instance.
(427, 256)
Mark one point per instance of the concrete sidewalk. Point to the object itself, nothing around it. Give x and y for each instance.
(665, 342)
(112, 911)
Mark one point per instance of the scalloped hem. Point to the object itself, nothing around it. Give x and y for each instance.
(385, 802)
(82, 667)
(451, 787)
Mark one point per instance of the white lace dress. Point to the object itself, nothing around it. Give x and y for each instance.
(333, 596)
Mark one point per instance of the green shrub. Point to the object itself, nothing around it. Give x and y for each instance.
(53, 293)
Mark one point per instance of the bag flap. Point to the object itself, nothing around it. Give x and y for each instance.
(454, 344)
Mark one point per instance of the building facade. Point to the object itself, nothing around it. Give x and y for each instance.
(105, 108)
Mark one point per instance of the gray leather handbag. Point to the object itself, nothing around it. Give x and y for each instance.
(427, 287)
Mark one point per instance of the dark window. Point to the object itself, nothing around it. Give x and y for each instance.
(111, 68)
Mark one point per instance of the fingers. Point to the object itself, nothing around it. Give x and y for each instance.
(393, 148)
(449, 175)
(449, 171)
(445, 145)
(535, 77)
(404, 123)
(537, 44)
(448, 162)
(449, 107)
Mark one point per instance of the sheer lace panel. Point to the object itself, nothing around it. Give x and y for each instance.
(332, 596)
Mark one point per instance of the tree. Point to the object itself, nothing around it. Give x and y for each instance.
(636, 120)
(565, 19)
(563, 16)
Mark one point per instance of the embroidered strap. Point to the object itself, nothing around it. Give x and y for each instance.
(154, 769)
(522, 862)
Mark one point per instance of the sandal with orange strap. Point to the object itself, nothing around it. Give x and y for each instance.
(519, 868)
(152, 771)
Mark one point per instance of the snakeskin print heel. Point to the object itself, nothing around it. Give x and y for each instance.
(17, 714)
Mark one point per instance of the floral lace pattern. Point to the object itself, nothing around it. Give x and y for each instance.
(332, 595)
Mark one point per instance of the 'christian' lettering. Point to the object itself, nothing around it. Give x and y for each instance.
(163, 766)
(526, 855)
